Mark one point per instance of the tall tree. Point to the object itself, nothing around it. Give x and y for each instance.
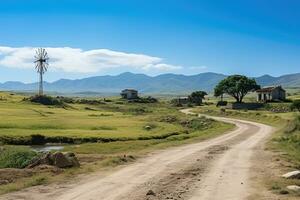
(197, 97)
(236, 86)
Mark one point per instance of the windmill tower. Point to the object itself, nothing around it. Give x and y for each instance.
(41, 65)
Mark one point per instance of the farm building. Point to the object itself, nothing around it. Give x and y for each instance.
(273, 93)
(129, 94)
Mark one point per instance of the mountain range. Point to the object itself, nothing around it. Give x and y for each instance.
(161, 84)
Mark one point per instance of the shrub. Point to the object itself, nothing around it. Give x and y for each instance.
(222, 103)
(90, 101)
(138, 111)
(148, 99)
(66, 99)
(295, 105)
(16, 157)
(293, 125)
(46, 100)
(199, 123)
(38, 139)
(176, 103)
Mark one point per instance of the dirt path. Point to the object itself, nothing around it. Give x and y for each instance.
(215, 169)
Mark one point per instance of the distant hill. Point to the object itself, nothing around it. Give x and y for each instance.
(165, 83)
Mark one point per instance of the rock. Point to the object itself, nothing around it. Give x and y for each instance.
(147, 128)
(294, 188)
(292, 175)
(57, 159)
(283, 192)
(150, 192)
(4, 182)
(45, 159)
(71, 157)
(61, 161)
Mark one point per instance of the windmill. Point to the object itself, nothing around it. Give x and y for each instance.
(41, 65)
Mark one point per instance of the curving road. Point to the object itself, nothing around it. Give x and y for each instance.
(216, 169)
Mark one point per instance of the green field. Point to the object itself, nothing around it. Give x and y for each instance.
(99, 133)
(110, 120)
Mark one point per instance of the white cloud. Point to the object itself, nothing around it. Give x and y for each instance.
(162, 67)
(203, 67)
(79, 61)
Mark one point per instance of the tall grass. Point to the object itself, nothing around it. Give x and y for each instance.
(15, 157)
(289, 141)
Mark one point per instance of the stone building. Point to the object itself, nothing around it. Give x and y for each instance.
(273, 93)
(129, 94)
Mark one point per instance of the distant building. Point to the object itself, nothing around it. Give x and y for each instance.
(273, 93)
(129, 94)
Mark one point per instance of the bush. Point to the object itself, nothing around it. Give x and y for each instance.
(46, 100)
(176, 103)
(278, 107)
(148, 99)
(38, 139)
(293, 125)
(90, 101)
(16, 157)
(66, 99)
(295, 105)
(222, 103)
(199, 123)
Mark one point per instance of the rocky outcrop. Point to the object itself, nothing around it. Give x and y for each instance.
(292, 175)
(58, 159)
(294, 188)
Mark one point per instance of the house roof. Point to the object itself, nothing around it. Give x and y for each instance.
(269, 89)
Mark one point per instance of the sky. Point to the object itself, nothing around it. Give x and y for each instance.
(109, 37)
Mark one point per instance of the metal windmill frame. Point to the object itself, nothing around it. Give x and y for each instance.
(41, 65)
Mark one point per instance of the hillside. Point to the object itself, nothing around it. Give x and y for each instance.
(165, 83)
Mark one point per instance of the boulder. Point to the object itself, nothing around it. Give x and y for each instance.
(292, 175)
(61, 161)
(58, 159)
(294, 188)
(151, 193)
(44, 159)
(72, 157)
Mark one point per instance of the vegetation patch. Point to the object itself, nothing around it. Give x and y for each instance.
(46, 100)
(289, 141)
(199, 123)
(15, 157)
(143, 100)
(278, 107)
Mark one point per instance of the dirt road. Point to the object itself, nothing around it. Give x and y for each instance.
(216, 169)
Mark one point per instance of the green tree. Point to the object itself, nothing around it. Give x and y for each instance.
(197, 97)
(236, 86)
(295, 105)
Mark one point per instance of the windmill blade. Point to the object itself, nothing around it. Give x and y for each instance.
(46, 55)
(40, 52)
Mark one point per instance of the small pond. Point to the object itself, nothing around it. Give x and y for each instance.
(47, 147)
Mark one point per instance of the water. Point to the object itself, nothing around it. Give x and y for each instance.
(47, 147)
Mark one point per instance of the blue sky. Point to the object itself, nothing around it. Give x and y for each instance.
(252, 37)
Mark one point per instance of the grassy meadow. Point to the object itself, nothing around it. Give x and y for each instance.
(102, 132)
